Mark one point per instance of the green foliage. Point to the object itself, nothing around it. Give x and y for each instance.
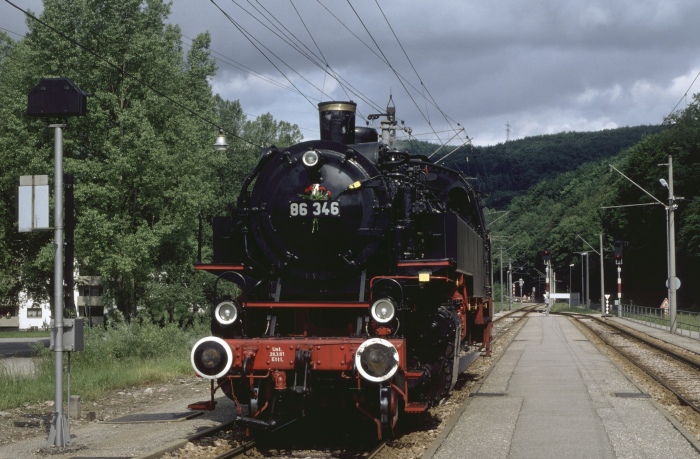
(507, 170)
(563, 210)
(644, 228)
(142, 158)
(118, 356)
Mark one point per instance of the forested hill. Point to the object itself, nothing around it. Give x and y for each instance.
(509, 169)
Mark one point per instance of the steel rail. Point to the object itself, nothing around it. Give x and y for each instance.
(237, 451)
(677, 385)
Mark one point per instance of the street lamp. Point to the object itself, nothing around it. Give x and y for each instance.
(673, 282)
(584, 278)
(220, 144)
(602, 272)
(570, 268)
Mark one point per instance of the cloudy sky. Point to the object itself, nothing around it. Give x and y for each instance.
(498, 68)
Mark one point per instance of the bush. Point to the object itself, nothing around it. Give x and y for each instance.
(115, 357)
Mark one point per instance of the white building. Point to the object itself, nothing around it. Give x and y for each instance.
(37, 315)
(32, 314)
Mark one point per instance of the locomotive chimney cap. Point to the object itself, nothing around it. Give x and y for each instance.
(337, 121)
(332, 105)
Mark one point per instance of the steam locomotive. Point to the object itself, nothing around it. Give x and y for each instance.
(357, 276)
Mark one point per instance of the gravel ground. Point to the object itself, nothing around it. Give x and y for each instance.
(24, 431)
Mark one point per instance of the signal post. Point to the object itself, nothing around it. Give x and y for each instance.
(547, 257)
(59, 98)
(618, 262)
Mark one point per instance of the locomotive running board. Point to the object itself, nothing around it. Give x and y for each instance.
(467, 359)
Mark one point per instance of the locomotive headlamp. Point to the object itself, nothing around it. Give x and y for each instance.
(383, 310)
(311, 159)
(377, 360)
(211, 357)
(226, 312)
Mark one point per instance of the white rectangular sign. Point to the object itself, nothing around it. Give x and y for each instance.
(33, 203)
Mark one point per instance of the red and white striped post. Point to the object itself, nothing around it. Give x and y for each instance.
(619, 290)
(548, 299)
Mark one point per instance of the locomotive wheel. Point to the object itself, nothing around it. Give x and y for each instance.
(389, 412)
(446, 373)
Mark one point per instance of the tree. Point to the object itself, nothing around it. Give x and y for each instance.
(644, 228)
(142, 158)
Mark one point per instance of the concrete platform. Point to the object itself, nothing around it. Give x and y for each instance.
(552, 394)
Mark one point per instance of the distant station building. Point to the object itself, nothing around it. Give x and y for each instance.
(88, 300)
(34, 315)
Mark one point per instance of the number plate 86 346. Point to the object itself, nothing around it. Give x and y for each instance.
(314, 209)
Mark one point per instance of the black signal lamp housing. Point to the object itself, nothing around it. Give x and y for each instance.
(56, 97)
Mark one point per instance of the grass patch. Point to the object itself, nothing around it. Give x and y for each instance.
(25, 334)
(113, 358)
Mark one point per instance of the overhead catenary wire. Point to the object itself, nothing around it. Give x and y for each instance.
(423, 86)
(328, 67)
(257, 45)
(319, 60)
(391, 67)
(404, 81)
(288, 37)
(377, 51)
(683, 97)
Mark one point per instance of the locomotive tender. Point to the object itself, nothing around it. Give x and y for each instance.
(361, 279)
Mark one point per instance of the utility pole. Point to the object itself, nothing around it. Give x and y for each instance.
(602, 280)
(602, 277)
(547, 258)
(500, 266)
(588, 281)
(510, 282)
(672, 283)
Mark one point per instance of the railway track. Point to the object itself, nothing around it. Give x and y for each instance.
(417, 437)
(243, 451)
(677, 370)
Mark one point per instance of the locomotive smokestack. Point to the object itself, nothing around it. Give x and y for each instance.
(337, 121)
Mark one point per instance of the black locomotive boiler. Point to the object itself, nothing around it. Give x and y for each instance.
(360, 277)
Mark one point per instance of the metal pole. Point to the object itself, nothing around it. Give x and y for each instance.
(510, 287)
(500, 264)
(588, 282)
(671, 248)
(619, 290)
(548, 298)
(602, 277)
(583, 290)
(493, 303)
(571, 265)
(59, 434)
